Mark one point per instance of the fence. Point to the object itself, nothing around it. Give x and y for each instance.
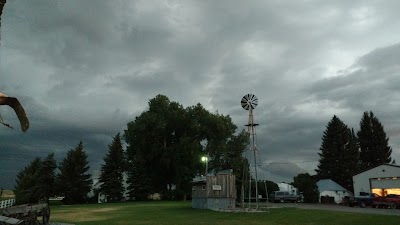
(7, 203)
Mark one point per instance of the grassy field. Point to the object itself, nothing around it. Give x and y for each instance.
(182, 213)
(7, 194)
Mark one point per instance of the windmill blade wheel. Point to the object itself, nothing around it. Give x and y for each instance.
(249, 102)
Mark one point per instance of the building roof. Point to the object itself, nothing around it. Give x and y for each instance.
(329, 185)
(386, 164)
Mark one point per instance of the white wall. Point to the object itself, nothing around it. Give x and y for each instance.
(287, 187)
(362, 180)
(338, 195)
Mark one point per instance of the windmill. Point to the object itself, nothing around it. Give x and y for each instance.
(249, 102)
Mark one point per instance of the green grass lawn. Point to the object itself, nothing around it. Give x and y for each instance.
(182, 213)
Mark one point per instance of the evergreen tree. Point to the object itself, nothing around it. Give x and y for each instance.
(339, 154)
(374, 148)
(73, 181)
(26, 188)
(46, 177)
(140, 185)
(112, 171)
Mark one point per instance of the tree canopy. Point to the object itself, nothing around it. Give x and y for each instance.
(339, 154)
(307, 185)
(112, 171)
(26, 190)
(73, 181)
(374, 148)
(36, 181)
(165, 144)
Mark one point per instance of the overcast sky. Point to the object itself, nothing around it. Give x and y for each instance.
(84, 69)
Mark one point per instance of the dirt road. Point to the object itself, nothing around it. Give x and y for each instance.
(367, 210)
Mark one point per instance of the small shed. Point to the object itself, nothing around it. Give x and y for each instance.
(331, 192)
(214, 191)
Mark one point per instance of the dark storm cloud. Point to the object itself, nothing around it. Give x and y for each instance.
(83, 69)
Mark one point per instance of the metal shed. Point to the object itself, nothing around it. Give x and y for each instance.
(381, 180)
(214, 191)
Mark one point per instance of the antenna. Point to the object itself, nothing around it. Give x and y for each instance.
(249, 102)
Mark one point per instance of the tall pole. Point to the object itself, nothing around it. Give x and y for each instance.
(242, 191)
(252, 132)
(207, 164)
(249, 184)
(249, 102)
(205, 159)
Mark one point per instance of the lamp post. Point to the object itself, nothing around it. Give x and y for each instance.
(205, 159)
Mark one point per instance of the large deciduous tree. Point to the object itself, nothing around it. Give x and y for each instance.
(73, 181)
(339, 154)
(164, 143)
(374, 148)
(112, 170)
(307, 185)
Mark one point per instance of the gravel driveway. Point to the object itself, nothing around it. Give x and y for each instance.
(368, 210)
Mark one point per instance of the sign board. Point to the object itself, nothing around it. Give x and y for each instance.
(216, 187)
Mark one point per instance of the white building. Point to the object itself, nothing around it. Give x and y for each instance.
(381, 180)
(288, 187)
(329, 188)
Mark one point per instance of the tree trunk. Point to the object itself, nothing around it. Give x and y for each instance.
(170, 191)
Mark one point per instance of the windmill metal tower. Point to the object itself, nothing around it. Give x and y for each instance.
(249, 102)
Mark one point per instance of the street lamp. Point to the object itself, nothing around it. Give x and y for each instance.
(205, 159)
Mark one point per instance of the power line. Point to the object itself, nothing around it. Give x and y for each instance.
(267, 163)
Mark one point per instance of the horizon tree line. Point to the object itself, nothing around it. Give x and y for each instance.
(164, 147)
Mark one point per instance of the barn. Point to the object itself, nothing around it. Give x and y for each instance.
(381, 180)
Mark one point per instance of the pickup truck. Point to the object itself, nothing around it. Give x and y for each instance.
(390, 201)
(362, 201)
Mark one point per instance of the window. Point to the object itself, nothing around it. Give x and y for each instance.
(203, 187)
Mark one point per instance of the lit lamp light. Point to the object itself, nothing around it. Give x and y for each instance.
(205, 159)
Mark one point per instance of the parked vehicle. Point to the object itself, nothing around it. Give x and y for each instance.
(362, 200)
(284, 196)
(390, 201)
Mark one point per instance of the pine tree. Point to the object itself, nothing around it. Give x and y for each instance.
(46, 177)
(26, 190)
(374, 148)
(112, 171)
(73, 181)
(140, 185)
(339, 154)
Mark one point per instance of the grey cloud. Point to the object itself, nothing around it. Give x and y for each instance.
(83, 70)
(280, 171)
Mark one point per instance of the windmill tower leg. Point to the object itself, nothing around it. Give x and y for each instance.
(254, 149)
(249, 102)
